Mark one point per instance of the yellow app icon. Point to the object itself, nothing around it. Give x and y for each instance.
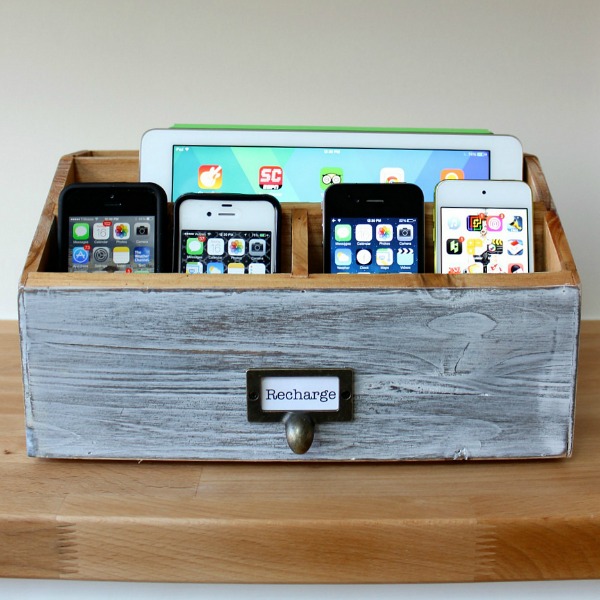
(235, 268)
(473, 244)
(121, 255)
(452, 174)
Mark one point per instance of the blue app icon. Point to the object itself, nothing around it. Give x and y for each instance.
(80, 255)
(515, 225)
(141, 255)
(215, 268)
(343, 257)
(453, 223)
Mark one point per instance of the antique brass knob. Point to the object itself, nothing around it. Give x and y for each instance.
(299, 431)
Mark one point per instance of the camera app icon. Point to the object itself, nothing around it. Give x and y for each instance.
(142, 229)
(405, 232)
(257, 247)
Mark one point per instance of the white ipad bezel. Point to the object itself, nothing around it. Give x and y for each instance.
(156, 150)
(482, 194)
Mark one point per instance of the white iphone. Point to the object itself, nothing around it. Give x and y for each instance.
(483, 227)
(227, 233)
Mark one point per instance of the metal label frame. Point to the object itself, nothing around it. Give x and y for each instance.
(256, 414)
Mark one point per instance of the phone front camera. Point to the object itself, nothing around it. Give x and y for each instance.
(209, 214)
(483, 192)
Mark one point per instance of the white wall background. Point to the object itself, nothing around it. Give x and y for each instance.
(95, 75)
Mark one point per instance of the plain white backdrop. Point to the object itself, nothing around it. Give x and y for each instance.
(95, 75)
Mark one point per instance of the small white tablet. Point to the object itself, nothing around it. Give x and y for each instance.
(483, 227)
(299, 165)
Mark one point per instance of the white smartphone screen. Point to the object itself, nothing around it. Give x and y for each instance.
(484, 240)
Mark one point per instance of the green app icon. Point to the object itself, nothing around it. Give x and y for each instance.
(331, 175)
(194, 246)
(81, 231)
(343, 233)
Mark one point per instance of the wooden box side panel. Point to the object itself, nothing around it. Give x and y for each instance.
(439, 373)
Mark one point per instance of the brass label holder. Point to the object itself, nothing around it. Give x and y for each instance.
(300, 398)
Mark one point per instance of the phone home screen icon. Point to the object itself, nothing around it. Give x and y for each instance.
(101, 231)
(121, 255)
(194, 247)
(80, 255)
(215, 246)
(142, 229)
(101, 254)
(384, 257)
(257, 268)
(141, 255)
(405, 257)
(405, 232)
(343, 232)
(121, 231)
(215, 268)
(257, 247)
(81, 231)
(193, 267)
(343, 257)
(236, 247)
(364, 257)
(384, 233)
(364, 232)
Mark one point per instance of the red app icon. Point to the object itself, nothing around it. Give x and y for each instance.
(516, 268)
(210, 177)
(270, 178)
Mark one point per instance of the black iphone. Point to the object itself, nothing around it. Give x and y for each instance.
(373, 228)
(112, 227)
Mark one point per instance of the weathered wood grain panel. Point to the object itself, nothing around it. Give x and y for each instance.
(439, 373)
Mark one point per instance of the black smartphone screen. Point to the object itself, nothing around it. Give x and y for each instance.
(373, 228)
(112, 243)
(111, 228)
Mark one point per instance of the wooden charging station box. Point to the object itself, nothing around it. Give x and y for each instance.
(155, 366)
